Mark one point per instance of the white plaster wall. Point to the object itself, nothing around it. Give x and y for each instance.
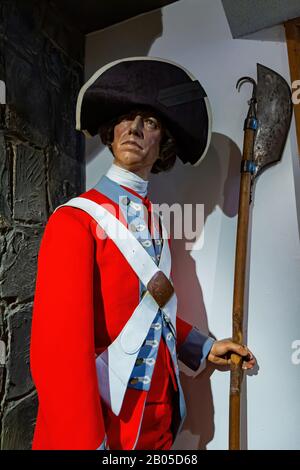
(195, 34)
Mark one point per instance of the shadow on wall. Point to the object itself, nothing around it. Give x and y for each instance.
(215, 182)
(138, 35)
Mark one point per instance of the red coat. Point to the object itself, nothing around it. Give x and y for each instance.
(85, 293)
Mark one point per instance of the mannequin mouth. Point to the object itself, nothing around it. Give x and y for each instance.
(132, 142)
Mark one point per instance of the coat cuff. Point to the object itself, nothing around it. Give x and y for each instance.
(195, 349)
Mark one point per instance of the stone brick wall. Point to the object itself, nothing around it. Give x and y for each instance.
(41, 166)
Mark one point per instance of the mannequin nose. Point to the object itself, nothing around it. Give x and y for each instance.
(136, 126)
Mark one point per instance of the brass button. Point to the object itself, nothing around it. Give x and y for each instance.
(134, 381)
(145, 380)
(139, 361)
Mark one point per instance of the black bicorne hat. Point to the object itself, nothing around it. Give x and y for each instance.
(163, 86)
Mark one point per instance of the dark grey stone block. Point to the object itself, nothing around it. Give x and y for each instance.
(19, 263)
(22, 27)
(29, 202)
(16, 129)
(18, 423)
(63, 35)
(63, 103)
(2, 59)
(65, 178)
(3, 246)
(28, 94)
(2, 360)
(19, 380)
(5, 10)
(5, 182)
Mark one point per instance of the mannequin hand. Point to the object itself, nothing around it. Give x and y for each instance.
(222, 349)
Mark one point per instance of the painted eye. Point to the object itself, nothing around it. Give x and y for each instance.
(152, 123)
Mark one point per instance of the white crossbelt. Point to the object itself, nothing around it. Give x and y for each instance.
(115, 365)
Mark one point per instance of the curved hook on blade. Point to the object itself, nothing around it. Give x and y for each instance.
(241, 82)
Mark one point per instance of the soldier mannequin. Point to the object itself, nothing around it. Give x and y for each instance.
(72, 260)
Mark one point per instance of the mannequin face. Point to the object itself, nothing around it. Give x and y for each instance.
(136, 142)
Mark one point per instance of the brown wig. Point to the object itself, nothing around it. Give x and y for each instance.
(167, 151)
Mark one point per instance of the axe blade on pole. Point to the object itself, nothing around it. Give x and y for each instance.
(274, 113)
(265, 132)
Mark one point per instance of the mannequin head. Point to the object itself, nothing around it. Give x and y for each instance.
(140, 142)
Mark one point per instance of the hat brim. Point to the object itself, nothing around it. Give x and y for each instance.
(161, 85)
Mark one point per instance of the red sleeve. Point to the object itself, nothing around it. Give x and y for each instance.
(183, 328)
(62, 352)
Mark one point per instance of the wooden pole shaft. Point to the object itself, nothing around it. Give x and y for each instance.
(238, 296)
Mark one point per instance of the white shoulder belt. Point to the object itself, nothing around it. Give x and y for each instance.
(115, 365)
